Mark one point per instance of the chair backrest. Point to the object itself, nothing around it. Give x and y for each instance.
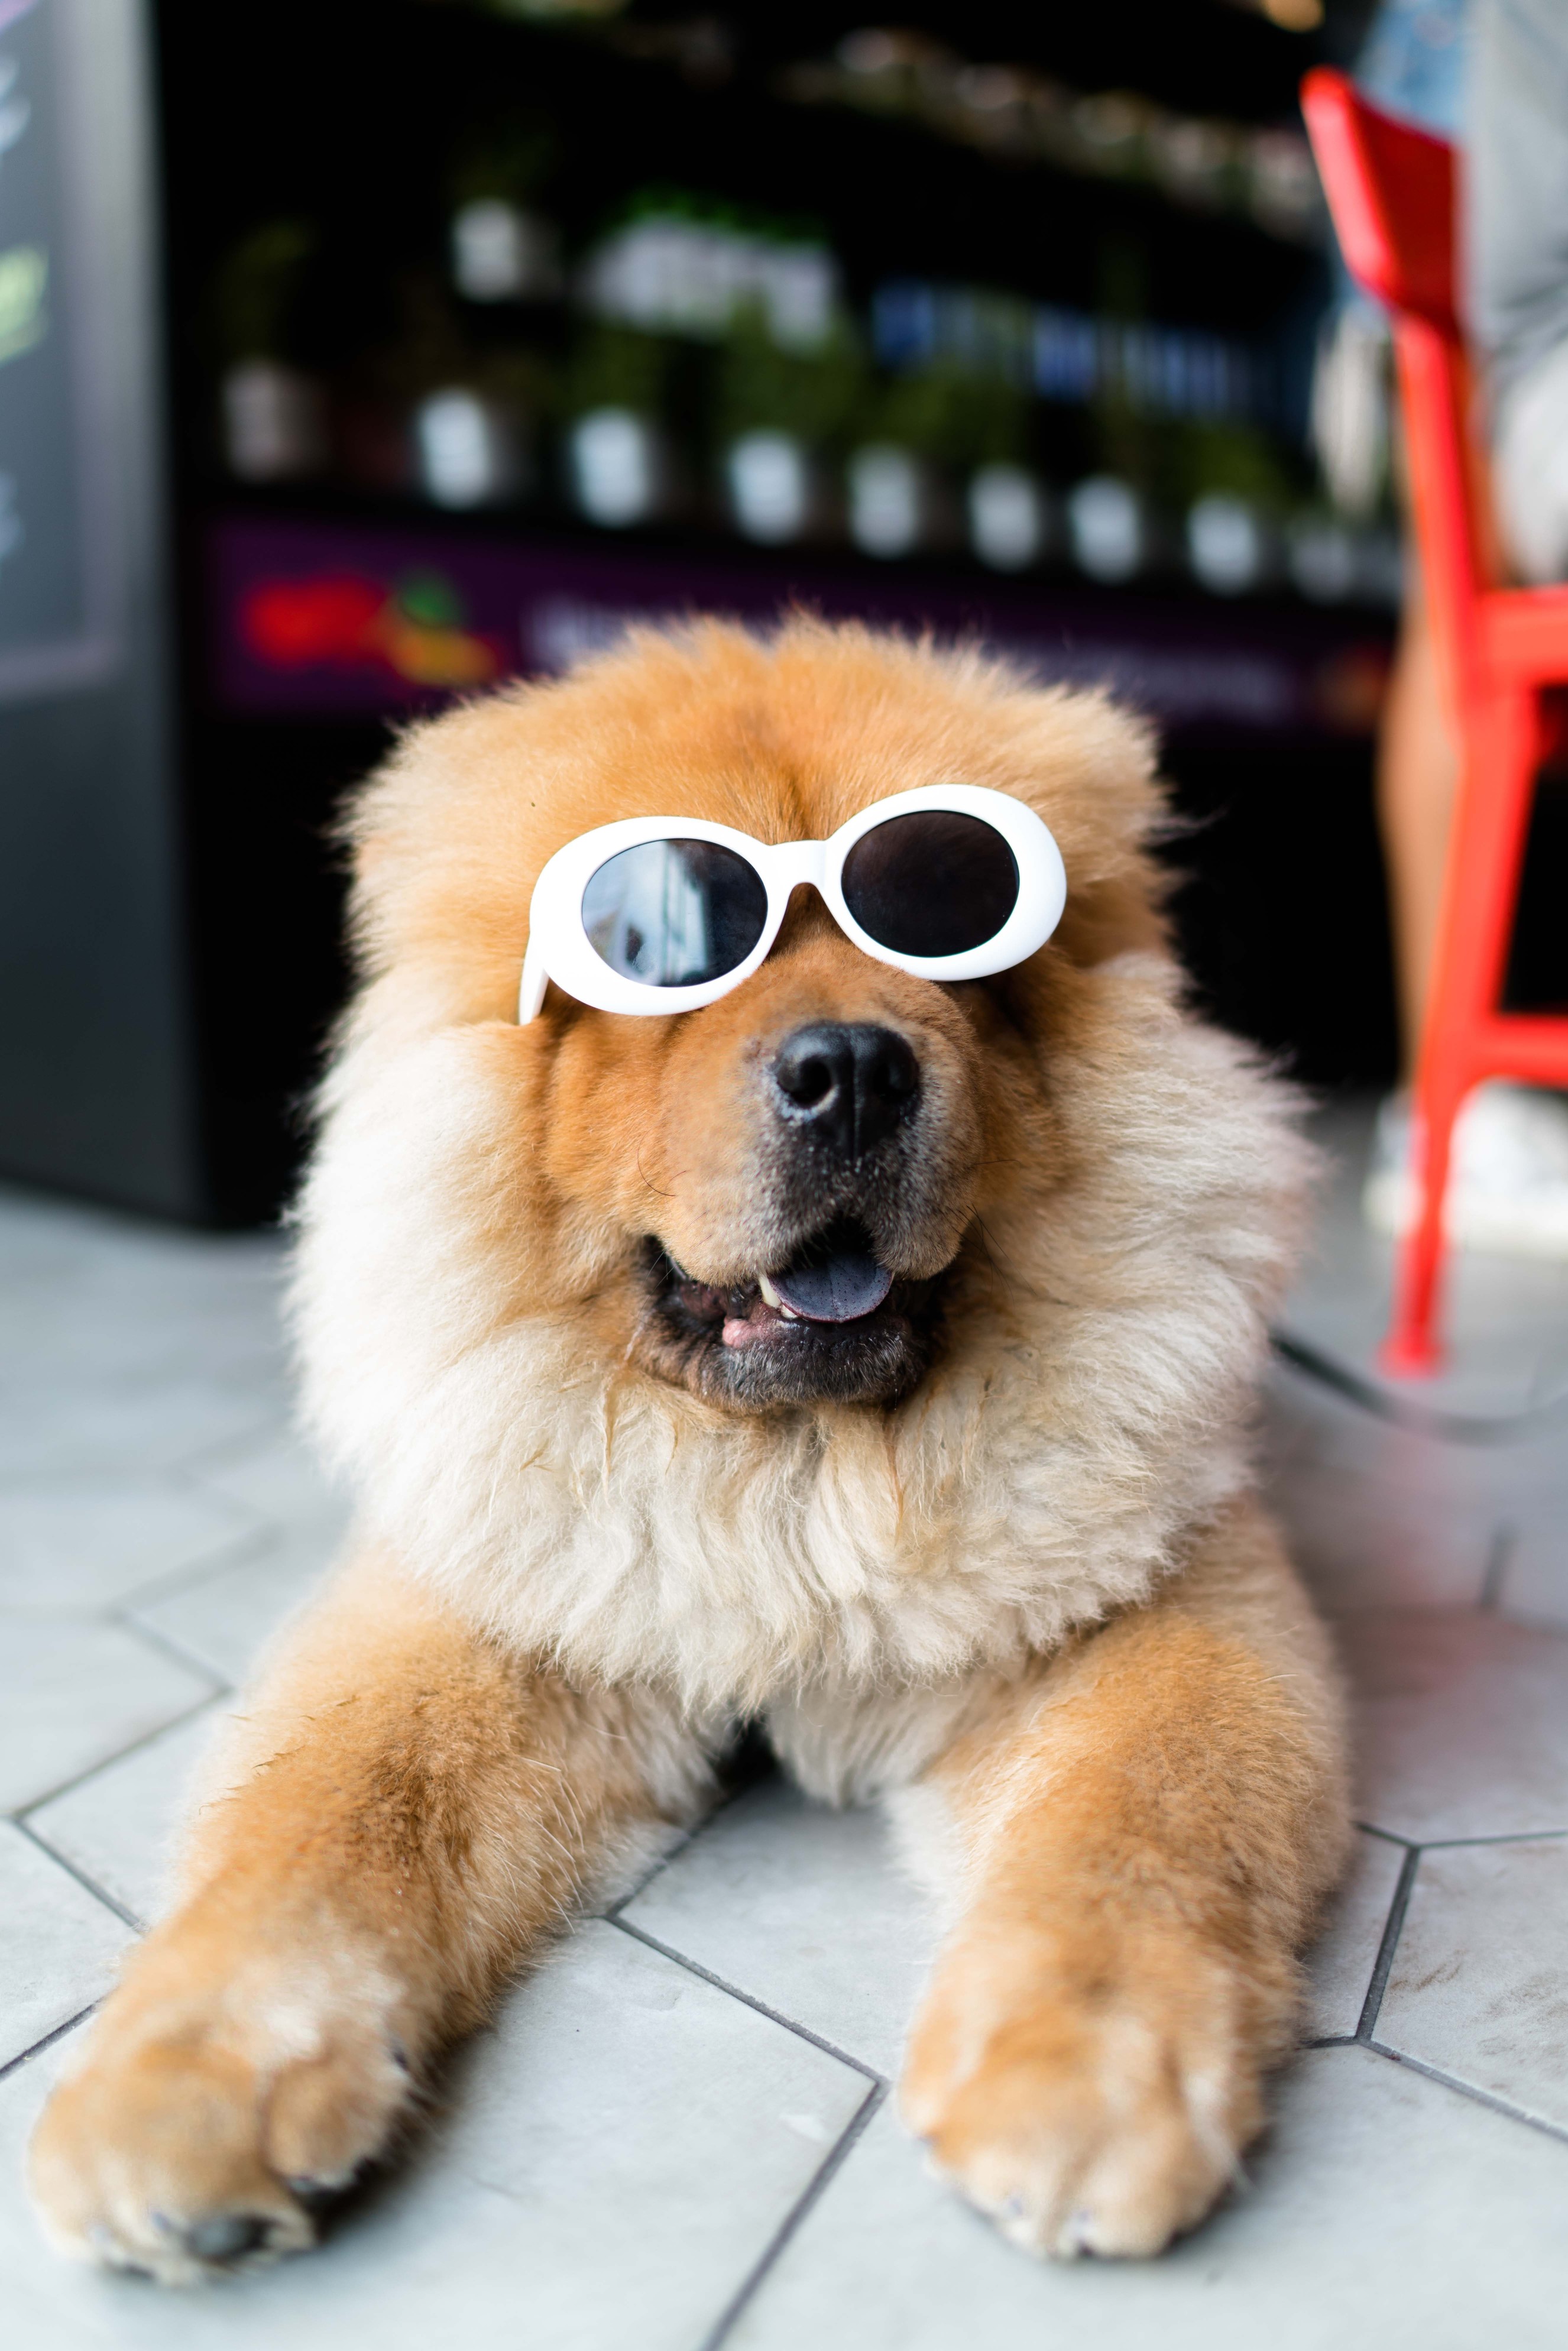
(1391, 191)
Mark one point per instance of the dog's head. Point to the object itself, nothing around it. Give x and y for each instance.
(765, 1199)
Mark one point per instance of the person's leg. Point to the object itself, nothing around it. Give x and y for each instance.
(1418, 765)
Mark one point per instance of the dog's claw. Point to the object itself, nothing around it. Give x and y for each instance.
(226, 2237)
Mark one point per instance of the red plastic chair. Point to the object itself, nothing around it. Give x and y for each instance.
(1391, 190)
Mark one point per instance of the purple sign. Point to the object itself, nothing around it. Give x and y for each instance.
(312, 618)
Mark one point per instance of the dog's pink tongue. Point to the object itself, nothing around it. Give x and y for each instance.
(835, 1285)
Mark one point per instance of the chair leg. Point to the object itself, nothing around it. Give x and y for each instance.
(1412, 1348)
(1486, 848)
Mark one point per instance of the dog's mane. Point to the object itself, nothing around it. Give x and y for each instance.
(1090, 1407)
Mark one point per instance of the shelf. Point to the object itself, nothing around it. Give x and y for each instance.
(317, 618)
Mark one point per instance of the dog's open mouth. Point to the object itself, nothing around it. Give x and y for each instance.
(835, 1279)
(832, 1323)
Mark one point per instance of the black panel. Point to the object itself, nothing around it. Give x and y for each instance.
(97, 1080)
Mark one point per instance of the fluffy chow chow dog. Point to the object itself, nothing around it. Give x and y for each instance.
(861, 1354)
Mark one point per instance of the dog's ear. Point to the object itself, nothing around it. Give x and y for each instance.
(1096, 783)
(1119, 917)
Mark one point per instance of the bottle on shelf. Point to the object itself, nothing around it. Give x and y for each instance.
(1320, 555)
(894, 500)
(501, 252)
(1198, 163)
(1229, 543)
(271, 411)
(756, 367)
(1236, 488)
(618, 462)
(781, 411)
(424, 411)
(1009, 517)
(437, 399)
(688, 266)
(949, 449)
(501, 247)
(971, 349)
(467, 448)
(1109, 529)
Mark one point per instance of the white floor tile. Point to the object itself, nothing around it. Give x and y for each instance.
(803, 1909)
(1358, 1543)
(1385, 2209)
(1506, 1318)
(1479, 1982)
(613, 2158)
(73, 1694)
(1462, 1723)
(1313, 1423)
(1534, 1582)
(136, 1421)
(97, 1301)
(1378, 1516)
(223, 1619)
(88, 1541)
(1341, 1963)
(273, 1473)
(58, 1944)
(117, 1825)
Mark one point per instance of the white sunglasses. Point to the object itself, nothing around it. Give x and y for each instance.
(661, 915)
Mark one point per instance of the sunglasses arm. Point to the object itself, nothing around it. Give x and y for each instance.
(536, 979)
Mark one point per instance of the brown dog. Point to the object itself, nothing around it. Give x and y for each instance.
(990, 1550)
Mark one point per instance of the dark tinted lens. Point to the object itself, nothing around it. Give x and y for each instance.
(671, 913)
(933, 884)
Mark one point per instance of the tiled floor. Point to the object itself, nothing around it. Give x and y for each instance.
(677, 2132)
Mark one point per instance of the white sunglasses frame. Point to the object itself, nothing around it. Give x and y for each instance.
(559, 947)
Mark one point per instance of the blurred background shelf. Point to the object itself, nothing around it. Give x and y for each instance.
(486, 329)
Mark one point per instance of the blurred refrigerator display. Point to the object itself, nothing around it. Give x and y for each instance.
(99, 1085)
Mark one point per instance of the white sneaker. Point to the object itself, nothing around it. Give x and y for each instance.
(1508, 1178)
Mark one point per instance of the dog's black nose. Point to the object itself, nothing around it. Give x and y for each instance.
(845, 1082)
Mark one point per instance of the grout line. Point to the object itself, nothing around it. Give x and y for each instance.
(1331, 2041)
(244, 1543)
(175, 1651)
(611, 1914)
(1500, 1557)
(656, 1868)
(88, 1884)
(749, 1999)
(1383, 1963)
(13, 2064)
(1503, 1836)
(1389, 1836)
(1422, 1420)
(79, 1780)
(1470, 2090)
(816, 2187)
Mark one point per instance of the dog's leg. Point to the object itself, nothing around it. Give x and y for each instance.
(1137, 1840)
(408, 1810)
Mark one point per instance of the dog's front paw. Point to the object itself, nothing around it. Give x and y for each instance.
(1084, 2116)
(204, 2121)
